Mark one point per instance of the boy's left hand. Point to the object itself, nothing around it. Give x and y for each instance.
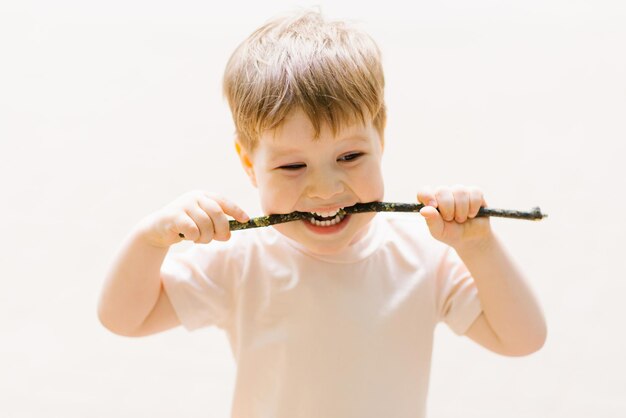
(455, 223)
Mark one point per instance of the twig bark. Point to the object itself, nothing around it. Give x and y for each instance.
(534, 214)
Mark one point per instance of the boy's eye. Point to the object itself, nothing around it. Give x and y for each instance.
(292, 167)
(350, 157)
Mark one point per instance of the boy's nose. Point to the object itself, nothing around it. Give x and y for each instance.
(324, 185)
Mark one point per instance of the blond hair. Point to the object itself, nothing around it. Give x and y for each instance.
(329, 70)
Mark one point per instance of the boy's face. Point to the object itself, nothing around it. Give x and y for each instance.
(295, 172)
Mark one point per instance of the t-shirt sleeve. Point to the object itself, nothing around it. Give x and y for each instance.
(458, 302)
(198, 283)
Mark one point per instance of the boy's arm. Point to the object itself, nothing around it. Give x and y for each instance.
(133, 301)
(512, 322)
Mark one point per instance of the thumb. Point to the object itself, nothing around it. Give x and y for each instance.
(433, 220)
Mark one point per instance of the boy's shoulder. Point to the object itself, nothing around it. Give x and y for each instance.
(406, 235)
(410, 227)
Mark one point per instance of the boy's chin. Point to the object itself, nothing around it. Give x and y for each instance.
(330, 244)
(322, 246)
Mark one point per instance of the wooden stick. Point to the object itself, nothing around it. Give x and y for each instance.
(534, 214)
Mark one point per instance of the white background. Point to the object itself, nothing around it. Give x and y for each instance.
(109, 110)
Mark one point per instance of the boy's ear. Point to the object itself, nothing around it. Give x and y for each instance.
(246, 161)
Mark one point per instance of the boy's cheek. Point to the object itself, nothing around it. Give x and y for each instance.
(372, 187)
(276, 198)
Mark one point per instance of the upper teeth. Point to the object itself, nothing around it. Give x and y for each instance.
(326, 214)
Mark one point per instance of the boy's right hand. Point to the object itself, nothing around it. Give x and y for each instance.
(199, 216)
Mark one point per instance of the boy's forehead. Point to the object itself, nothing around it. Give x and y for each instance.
(285, 142)
(298, 128)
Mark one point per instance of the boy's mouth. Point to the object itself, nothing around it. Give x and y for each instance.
(327, 218)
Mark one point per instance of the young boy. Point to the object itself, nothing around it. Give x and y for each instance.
(331, 316)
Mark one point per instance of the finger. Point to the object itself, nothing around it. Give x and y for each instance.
(433, 220)
(218, 217)
(476, 200)
(230, 208)
(427, 197)
(186, 227)
(461, 203)
(204, 223)
(445, 203)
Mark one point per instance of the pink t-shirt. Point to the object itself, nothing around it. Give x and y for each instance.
(347, 335)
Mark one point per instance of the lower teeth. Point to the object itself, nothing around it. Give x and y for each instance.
(332, 222)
